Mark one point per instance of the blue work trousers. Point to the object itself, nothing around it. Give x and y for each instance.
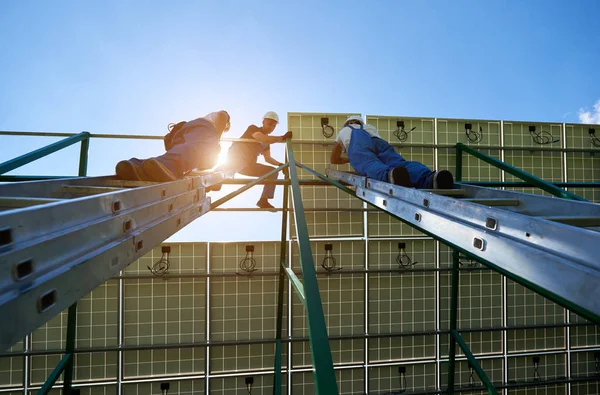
(373, 157)
(194, 147)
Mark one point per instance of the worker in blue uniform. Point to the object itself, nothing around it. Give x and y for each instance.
(190, 145)
(375, 158)
(243, 155)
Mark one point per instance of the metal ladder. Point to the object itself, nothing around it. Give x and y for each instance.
(550, 244)
(60, 239)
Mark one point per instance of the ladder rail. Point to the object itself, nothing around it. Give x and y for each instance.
(570, 271)
(48, 263)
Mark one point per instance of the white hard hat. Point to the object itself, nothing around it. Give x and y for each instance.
(354, 118)
(271, 115)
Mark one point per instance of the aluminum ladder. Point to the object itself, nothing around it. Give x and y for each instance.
(550, 244)
(60, 239)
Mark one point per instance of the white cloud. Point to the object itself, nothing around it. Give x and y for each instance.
(592, 116)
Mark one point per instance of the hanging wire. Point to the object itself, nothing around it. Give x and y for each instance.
(402, 373)
(403, 260)
(161, 267)
(536, 365)
(473, 136)
(329, 263)
(471, 376)
(247, 264)
(249, 381)
(326, 128)
(164, 388)
(468, 263)
(542, 137)
(594, 138)
(597, 359)
(400, 133)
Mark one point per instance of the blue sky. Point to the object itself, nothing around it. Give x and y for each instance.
(132, 67)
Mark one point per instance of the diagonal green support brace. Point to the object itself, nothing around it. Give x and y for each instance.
(324, 375)
(530, 178)
(277, 381)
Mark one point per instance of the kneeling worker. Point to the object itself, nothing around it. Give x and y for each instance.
(242, 156)
(375, 158)
(190, 145)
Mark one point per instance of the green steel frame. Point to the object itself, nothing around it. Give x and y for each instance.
(308, 292)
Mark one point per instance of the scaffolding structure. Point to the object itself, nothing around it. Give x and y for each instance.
(307, 290)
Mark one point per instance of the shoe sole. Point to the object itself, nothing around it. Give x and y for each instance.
(128, 171)
(444, 180)
(157, 171)
(401, 177)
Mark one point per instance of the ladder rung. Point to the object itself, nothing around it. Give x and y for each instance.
(19, 202)
(446, 192)
(584, 222)
(126, 184)
(494, 202)
(87, 190)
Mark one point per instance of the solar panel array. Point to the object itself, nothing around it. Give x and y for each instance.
(209, 325)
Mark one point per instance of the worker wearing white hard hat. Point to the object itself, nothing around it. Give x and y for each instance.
(190, 145)
(375, 158)
(243, 156)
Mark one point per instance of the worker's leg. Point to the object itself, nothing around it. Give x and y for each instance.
(193, 148)
(366, 163)
(420, 175)
(258, 170)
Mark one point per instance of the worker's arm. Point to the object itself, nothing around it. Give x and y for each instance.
(336, 155)
(263, 138)
(269, 159)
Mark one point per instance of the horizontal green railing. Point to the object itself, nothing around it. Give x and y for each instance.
(527, 177)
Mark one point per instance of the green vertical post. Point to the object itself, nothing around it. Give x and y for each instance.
(83, 156)
(453, 319)
(458, 172)
(277, 382)
(324, 375)
(70, 349)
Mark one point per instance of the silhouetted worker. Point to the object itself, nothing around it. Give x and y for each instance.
(242, 156)
(375, 158)
(190, 145)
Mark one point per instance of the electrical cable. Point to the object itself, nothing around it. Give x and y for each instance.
(248, 263)
(543, 137)
(326, 129)
(161, 267)
(473, 136)
(402, 259)
(329, 263)
(594, 138)
(400, 133)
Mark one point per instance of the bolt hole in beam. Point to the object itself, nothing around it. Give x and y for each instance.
(139, 245)
(491, 223)
(5, 236)
(116, 206)
(127, 226)
(479, 243)
(426, 202)
(22, 269)
(417, 217)
(46, 301)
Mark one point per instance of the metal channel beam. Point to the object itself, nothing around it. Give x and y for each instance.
(556, 260)
(54, 254)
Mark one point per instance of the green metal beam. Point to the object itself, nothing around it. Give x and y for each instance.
(83, 157)
(521, 184)
(324, 375)
(42, 152)
(233, 194)
(453, 319)
(530, 178)
(47, 387)
(277, 382)
(70, 348)
(297, 284)
(474, 364)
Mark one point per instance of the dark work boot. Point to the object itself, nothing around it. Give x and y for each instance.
(131, 170)
(399, 176)
(443, 179)
(264, 203)
(157, 171)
